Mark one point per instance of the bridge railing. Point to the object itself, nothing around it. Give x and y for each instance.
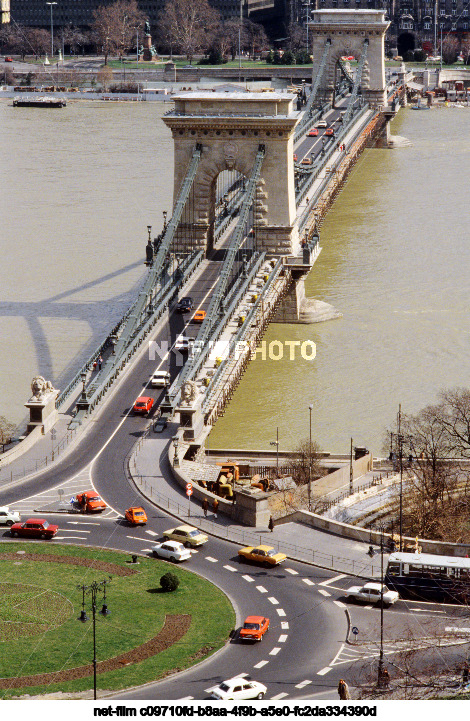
(319, 167)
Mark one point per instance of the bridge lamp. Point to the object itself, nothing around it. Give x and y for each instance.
(83, 379)
(276, 443)
(165, 214)
(51, 4)
(149, 230)
(175, 441)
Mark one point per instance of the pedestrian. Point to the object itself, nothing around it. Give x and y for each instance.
(465, 672)
(94, 365)
(343, 690)
(100, 362)
(215, 506)
(205, 506)
(271, 524)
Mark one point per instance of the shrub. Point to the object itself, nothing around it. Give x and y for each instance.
(169, 582)
(409, 56)
(419, 56)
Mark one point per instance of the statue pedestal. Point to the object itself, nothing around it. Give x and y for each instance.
(42, 412)
(192, 421)
(147, 54)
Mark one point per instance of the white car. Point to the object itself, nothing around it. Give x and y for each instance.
(183, 344)
(321, 124)
(238, 689)
(7, 517)
(370, 593)
(160, 379)
(172, 550)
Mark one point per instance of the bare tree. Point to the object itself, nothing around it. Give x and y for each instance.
(6, 432)
(256, 37)
(450, 49)
(105, 77)
(305, 462)
(74, 38)
(114, 26)
(39, 41)
(188, 27)
(297, 37)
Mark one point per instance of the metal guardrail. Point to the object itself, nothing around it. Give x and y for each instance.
(316, 85)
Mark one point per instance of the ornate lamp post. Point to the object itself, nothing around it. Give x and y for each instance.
(276, 443)
(93, 589)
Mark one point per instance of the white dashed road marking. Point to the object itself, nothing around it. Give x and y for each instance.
(230, 568)
(68, 538)
(308, 582)
(281, 611)
(324, 593)
(303, 684)
(273, 600)
(248, 579)
(136, 538)
(278, 697)
(275, 651)
(82, 523)
(151, 533)
(285, 625)
(282, 638)
(291, 570)
(340, 604)
(210, 559)
(332, 580)
(324, 671)
(73, 530)
(262, 589)
(261, 664)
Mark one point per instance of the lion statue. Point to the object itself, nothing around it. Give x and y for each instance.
(188, 393)
(40, 388)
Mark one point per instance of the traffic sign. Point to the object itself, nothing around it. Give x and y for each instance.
(189, 492)
(189, 486)
(355, 630)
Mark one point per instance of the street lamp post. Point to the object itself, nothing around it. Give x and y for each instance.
(276, 443)
(93, 590)
(52, 28)
(310, 408)
(240, 43)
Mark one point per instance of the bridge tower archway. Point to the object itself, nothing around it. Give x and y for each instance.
(230, 127)
(347, 30)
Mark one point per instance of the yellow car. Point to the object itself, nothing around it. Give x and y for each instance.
(188, 535)
(262, 554)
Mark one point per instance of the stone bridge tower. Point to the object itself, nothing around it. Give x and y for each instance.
(230, 127)
(347, 30)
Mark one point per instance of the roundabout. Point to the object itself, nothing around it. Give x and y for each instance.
(149, 634)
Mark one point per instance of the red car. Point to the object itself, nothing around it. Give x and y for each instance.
(254, 628)
(8, 60)
(143, 405)
(330, 132)
(34, 528)
(90, 502)
(295, 157)
(312, 133)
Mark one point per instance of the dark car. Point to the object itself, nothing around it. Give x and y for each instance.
(185, 305)
(160, 424)
(34, 528)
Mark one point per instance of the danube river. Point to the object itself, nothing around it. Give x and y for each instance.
(79, 187)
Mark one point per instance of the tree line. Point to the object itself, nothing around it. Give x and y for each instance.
(433, 446)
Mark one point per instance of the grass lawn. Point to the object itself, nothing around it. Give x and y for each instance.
(40, 605)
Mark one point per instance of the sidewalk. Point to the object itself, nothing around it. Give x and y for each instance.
(150, 470)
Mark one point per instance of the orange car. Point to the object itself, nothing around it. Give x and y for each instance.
(312, 133)
(329, 132)
(254, 628)
(91, 502)
(136, 516)
(199, 316)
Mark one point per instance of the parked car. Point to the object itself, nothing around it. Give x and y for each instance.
(143, 405)
(91, 502)
(7, 517)
(185, 304)
(254, 628)
(313, 133)
(172, 550)
(136, 516)
(370, 593)
(322, 124)
(183, 344)
(188, 535)
(262, 554)
(34, 528)
(160, 379)
(238, 689)
(199, 316)
(160, 424)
